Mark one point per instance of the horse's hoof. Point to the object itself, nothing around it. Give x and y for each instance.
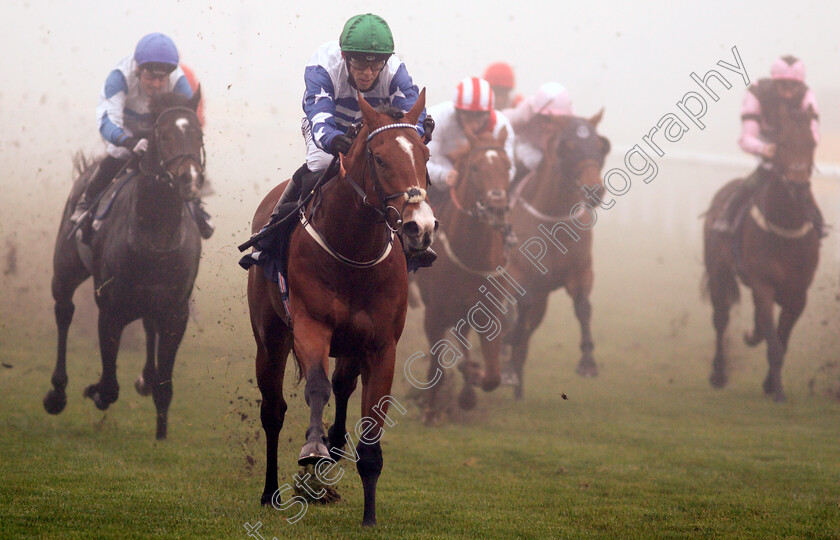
(517, 392)
(265, 499)
(369, 523)
(140, 386)
(55, 401)
(101, 400)
(488, 384)
(779, 397)
(587, 368)
(718, 379)
(752, 339)
(509, 378)
(467, 398)
(767, 386)
(312, 453)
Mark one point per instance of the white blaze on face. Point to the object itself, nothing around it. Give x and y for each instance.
(491, 155)
(182, 123)
(424, 217)
(193, 173)
(406, 145)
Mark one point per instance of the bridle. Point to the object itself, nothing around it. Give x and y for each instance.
(164, 165)
(478, 210)
(412, 195)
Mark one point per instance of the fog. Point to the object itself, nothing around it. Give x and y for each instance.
(634, 60)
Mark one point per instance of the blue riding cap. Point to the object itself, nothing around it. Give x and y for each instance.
(156, 48)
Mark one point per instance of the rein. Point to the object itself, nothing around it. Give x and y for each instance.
(412, 195)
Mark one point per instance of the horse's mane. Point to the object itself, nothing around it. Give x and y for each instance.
(166, 100)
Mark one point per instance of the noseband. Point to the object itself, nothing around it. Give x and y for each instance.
(412, 195)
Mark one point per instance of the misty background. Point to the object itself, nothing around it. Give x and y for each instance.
(634, 60)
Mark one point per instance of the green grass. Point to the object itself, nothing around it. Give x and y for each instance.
(648, 449)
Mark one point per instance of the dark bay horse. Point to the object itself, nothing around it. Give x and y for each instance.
(475, 223)
(143, 258)
(552, 198)
(774, 252)
(347, 293)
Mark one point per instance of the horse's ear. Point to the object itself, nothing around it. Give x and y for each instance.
(367, 111)
(597, 118)
(414, 114)
(196, 97)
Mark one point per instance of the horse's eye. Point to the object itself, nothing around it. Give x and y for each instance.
(379, 161)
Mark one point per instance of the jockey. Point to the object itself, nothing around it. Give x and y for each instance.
(502, 81)
(362, 60)
(760, 111)
(471, 110)
(124, 114)
(529, 120)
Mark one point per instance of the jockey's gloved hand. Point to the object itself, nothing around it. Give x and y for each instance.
(428, 128)
(340, 144)
(135, 144)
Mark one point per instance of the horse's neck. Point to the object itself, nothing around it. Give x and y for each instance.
(779, 207)
(348, 226)
(157, 207)
(550, 192)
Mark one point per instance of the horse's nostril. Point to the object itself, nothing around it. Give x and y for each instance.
(437, 224)
(411, 228)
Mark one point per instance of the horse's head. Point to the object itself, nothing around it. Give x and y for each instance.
(176, 147)
(794, 157)
(389, 151)
(574, 150)
(483, 178)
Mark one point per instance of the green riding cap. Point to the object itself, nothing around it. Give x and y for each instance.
(366, 33)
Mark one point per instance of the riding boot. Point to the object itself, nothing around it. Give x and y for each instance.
(816, 216)
(727, 222)
(108, 167)
(202, 219)
(302, 181)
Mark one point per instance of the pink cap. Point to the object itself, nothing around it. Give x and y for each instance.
(788, 67)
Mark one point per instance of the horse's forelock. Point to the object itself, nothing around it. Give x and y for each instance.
(165, 100)
(389, 110)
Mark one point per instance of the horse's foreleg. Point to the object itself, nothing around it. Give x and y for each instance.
(312, 343)
(530, 314)
(56, 399)
(792, 308)
(107, 391)
(583, 311)
(720, 291)
(492, 373)
(344, 381)
(377, 376)
(763, 297)
(272, 352)
(147, 378)
(171, 333)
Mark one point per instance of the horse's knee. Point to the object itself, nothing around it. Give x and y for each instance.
(272, 414)
(370, 459)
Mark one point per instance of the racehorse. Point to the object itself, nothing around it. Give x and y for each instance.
(553, 198)
(143, 258)
(347, 293)
(774, 252)
(475, 225)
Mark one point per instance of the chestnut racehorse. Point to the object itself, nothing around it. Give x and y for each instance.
(347, 293)
(475, 224)
(774, 252)
(553, 198)
(143, 258)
